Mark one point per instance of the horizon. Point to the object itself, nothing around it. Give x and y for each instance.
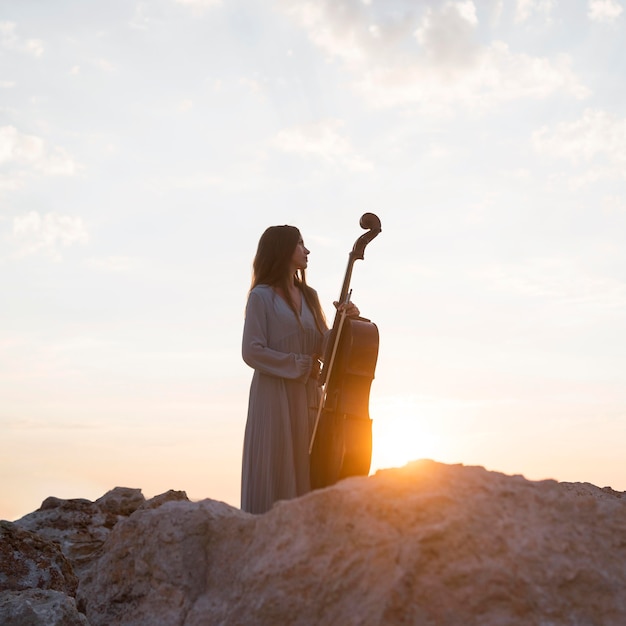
(144, 148)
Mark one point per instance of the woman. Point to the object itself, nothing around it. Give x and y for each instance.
(282, 340)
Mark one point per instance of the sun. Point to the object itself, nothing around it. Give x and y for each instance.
(401, 433)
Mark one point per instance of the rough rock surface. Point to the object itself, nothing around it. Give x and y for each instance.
(37, 582)
(81, 527)
(41, 553)
(38, 607)
(428, 545)
(29, 561)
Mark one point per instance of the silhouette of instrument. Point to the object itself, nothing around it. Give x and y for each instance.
(341, 443)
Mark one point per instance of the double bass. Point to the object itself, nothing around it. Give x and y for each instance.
(341, 443)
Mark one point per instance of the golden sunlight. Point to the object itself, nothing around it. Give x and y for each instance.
(403, 432)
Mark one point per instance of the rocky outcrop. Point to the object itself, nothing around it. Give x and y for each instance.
(80, 527)
(43, 553)
(37, 582)
(428, 545)
(29, 561)
(38, 607)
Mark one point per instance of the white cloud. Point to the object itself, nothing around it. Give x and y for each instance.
(342, 29)
(595, 134)
(447, 37)
(604, 10)
(494, 75)
(434, 60)
(19, 147)
(23, 149)
(322, 140)
(467, 10)
(526, 8)
(34, 233)
(10, 40)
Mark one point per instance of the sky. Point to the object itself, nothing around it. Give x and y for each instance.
(146, 145)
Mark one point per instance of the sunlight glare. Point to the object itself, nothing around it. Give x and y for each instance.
(404, 429)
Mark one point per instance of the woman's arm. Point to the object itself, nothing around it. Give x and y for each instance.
(258, 355)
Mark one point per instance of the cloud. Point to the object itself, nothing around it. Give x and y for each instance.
(18, 147)
(9, 40)
(322, 140)
(21, 149)
(433, 60)
(595, 135)
(33, 233)
(447, 37)
(604, 10)
(492, 75)
(525, 9)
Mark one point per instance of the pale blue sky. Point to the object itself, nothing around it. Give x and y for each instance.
(144, 147)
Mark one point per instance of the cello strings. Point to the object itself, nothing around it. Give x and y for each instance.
(320, 408)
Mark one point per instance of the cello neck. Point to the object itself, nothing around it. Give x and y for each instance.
(345, 288)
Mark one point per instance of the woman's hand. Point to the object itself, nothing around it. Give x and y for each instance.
(352, 310)
(316, 367)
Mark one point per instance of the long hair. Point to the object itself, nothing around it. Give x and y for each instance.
(271, 266)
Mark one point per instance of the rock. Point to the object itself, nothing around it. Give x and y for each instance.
(29, 561)
(37, 580)
(168, 496)
(120, 501)
(169, 567)
(81, 527)
(36, 607)
(428, 544)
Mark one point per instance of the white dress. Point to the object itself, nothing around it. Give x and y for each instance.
(283, 399)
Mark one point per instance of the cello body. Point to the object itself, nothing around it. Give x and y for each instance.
(342, 440)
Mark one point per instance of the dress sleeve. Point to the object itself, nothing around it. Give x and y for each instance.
(259, 356)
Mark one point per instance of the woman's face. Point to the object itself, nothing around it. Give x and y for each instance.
(299, 258)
